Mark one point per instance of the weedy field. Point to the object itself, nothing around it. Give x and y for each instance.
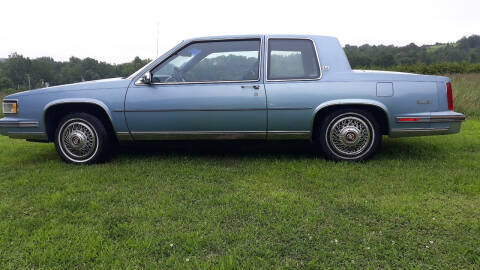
(466, 89)
(231, 205)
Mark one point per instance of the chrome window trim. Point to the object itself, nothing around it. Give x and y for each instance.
(260, 58)
(287, 80)
(10, 101)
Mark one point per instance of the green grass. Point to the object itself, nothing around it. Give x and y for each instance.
(247, 205)
(244, 205)
(466, 93)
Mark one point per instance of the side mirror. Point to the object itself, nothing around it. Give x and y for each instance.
(146, 78)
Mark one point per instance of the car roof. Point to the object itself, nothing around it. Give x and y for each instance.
(317, 37)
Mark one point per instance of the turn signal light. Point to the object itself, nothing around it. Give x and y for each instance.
(9, 107)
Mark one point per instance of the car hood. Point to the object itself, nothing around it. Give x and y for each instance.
(90, 85)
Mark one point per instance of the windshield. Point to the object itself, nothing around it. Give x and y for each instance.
(138, 71)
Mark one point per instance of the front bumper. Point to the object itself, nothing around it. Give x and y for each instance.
(435, 123)
(21, 129)
(18, 124)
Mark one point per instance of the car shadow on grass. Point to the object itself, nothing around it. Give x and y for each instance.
(412, 149)
(391, 149)
(294, 149)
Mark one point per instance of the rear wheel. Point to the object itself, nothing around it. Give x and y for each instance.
(349, 135)
(81, 138)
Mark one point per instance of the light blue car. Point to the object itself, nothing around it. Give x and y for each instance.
(262, 87)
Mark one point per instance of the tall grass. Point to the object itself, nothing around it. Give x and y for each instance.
(466, 93)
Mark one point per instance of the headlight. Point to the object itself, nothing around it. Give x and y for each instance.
(9, 106)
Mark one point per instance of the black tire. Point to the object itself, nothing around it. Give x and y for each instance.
(81, 138)
(349, 135)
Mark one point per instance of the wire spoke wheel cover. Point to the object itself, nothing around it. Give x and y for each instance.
(78, 140)
(350, 135)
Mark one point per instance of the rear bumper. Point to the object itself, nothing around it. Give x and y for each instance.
(22, 129)
(438, 123)
(433, 118)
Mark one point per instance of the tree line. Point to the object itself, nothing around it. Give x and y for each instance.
(19, 72)
(462, 56)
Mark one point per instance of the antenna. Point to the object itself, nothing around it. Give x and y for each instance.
(157, 36)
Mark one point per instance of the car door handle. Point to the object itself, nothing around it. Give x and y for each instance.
(256, 87)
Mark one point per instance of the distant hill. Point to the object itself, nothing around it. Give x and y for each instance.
(466, 50)
(19, 72)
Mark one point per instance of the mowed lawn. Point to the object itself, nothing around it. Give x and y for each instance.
(247, 205)
(243, 205)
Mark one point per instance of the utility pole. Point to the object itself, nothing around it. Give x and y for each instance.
(29, 85)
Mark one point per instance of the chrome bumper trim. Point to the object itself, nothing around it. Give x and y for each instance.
(447, 118)
(433, 118)
(36, 136)
(18, 124)
(408, 132)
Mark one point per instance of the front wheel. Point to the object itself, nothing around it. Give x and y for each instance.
(81, 138)
(349, 135)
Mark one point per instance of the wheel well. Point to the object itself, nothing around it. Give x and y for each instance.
(379, 114)
(56, 112)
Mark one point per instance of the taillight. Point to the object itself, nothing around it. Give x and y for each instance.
(449, 96)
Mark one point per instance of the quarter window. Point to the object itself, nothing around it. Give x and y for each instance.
(211, 61)
(292, 59)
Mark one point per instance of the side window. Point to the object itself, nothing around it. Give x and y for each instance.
(292, 59)
(236, 60)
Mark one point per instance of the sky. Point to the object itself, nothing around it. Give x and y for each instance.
(117, 31)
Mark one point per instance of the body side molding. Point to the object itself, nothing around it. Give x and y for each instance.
(214, 135)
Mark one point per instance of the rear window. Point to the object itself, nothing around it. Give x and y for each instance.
(292, 59)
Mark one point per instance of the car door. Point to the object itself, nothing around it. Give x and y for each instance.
(291, 81)
(205, 90)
